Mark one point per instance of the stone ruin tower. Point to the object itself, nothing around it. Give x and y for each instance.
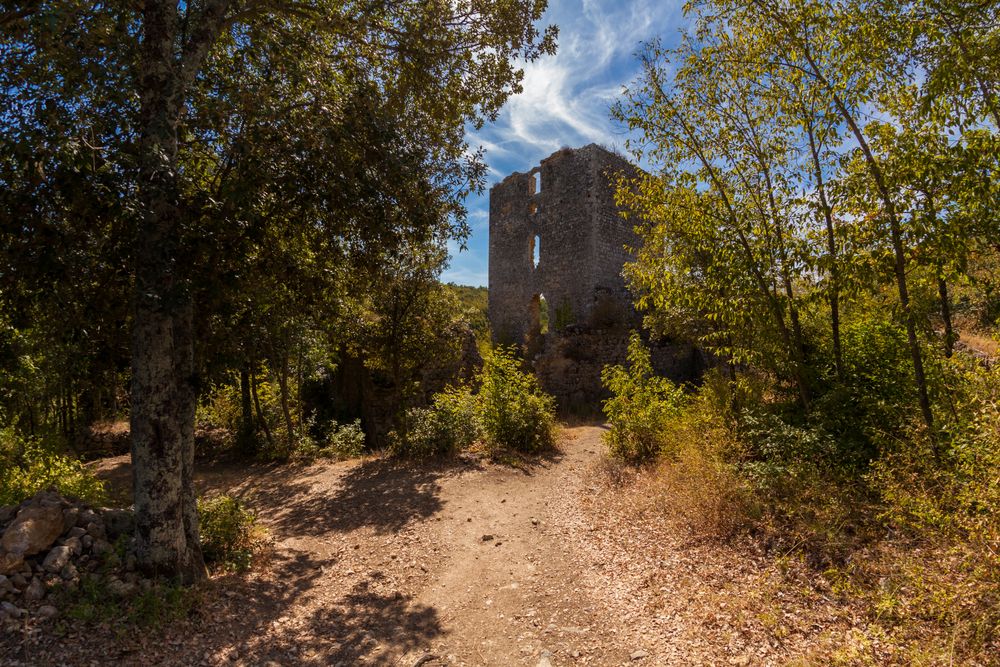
(556, 237)
(558, 242)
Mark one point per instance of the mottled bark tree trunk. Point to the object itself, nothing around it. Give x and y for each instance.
(163, 394)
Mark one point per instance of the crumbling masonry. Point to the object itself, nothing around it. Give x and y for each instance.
(558, 242)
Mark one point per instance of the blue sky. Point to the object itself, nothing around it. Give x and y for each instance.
(565, 101)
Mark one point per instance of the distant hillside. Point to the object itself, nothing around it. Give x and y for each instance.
(473, 303)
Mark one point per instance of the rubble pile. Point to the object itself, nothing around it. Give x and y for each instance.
(48, 542)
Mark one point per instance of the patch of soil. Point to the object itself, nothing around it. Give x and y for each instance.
(102, 439)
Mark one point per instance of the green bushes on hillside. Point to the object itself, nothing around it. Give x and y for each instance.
(27, 466)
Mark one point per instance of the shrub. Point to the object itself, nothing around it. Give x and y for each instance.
(949, 488)
(641, 406)
(27, 467)
(879, 374)
(345, 440)
(230, 534)
(949, 503)
(446, 427)
(514, 412)
(220, 408)
(700, 484)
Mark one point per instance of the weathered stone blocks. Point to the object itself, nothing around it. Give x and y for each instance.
(563, 212)
(556, 233)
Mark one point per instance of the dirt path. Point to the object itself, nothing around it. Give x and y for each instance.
(468, 563)
(474, 563)
(510, 590)
(559, 562)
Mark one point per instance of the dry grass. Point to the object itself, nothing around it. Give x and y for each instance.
(889, 602)
(834, 570)
(693, 485)
(987, 345)
(703, 493)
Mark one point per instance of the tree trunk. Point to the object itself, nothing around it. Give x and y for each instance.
(286, 411)
(298, 380)
(949, 331)
(163, 406)
(71, 424)
(767, 293)
(831, 247)
(247, 428)
(163, 393)
(260, 413)
(61, 408)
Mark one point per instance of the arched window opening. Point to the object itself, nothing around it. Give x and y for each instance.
(538, 182)
(536, 250)
(538, 317)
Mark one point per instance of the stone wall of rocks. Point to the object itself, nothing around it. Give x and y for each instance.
(47, 542)
(570, 363)
(564, 209)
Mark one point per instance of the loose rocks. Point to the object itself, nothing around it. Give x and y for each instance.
(57, 559)
(50, 541)
(33, 530)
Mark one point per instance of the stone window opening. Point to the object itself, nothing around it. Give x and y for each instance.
(532, 209)
(536, 250)
(539, 314)
(537, 180)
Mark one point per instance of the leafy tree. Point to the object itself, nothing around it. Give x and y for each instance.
(473, 301)
(201, 128)
(785, 191)
(727, 194)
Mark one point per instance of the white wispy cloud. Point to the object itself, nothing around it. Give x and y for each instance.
(566, 98)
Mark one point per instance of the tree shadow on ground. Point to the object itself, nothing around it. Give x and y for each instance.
(370, 624)
(381, 494)
(526, 464)
(252, 619)
(296, 499)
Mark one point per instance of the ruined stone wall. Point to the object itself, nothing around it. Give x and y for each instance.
(571, 217)
(566, 206)
(613, 235)
(569, 367)
(510, 267)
